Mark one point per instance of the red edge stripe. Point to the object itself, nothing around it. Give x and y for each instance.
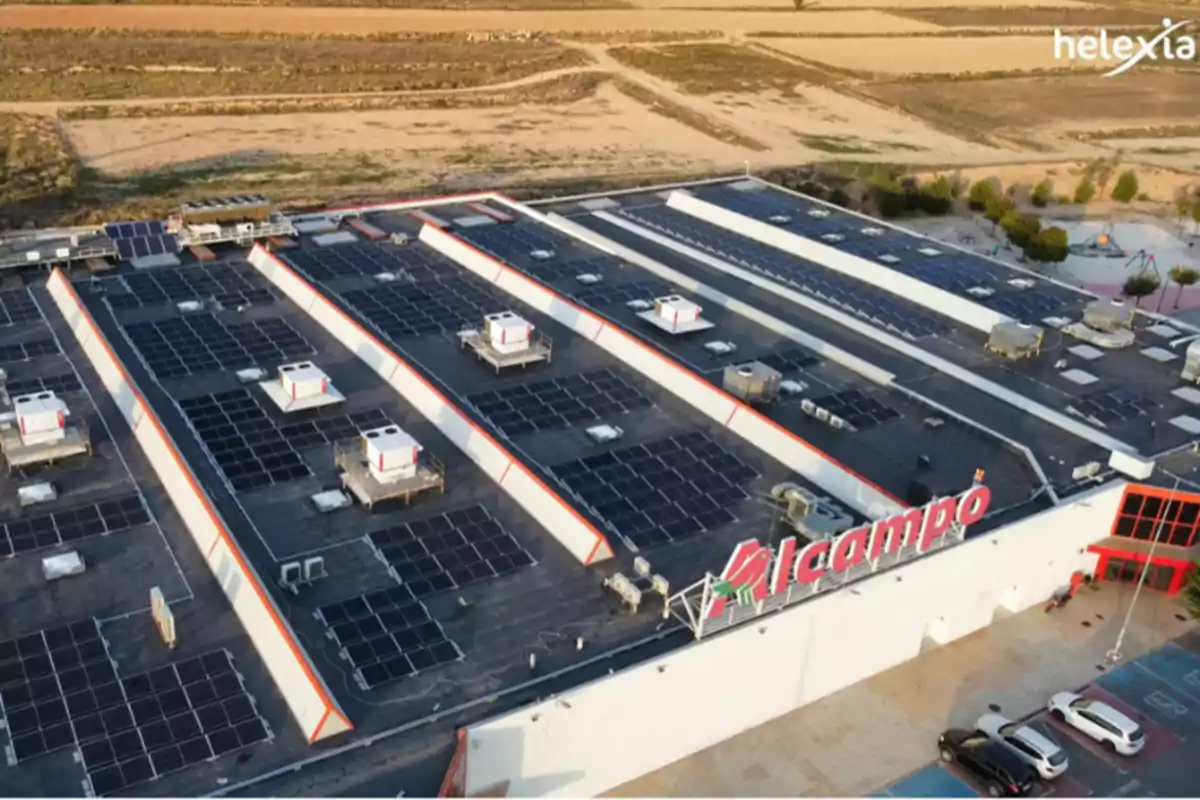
(600, 538)
(222, 533)
(457, 761)
(740, 406)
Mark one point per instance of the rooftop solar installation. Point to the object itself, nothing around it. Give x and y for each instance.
(131, 230)
(31, 533)
(25, 351)
(59, 384)
(146, 246)
(558, 402)
(16, 307)
(432, 306)
(197, 343)
(229, 287)
(356, 260)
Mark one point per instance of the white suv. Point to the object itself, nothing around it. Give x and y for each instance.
(1100, 721)
(1035, 749)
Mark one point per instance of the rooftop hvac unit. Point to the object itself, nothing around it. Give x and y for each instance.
(330, 501)
(676, 310)
(1107, 315)
(602, 434)
(391, 453)
(822, 414)
(63, 565)
(399, 238)
(290, 574)
(314, 569)
(837, 423)
(1015, 340)
(41, 418)
(302, 385)
(37, 493)
(506, 332)
(753, 382)
(810, 515)
(792, 388)
(641, 567)
(808, 406)
(1089, 470)
(624, 588)
(720, 348)
(1191, 362)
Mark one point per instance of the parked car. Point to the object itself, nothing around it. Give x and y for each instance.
(1100, 721)
(1035, 749)
(1002, 773)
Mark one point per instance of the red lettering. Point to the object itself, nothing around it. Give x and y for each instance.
(973, 505)
(939, 515)
(889, 535)
(850, 550)
(783, 562)
(807, 568)
(747, 568)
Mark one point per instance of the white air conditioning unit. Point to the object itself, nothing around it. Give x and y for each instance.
(837, 423)
(314, 569)
(290, 574)
(641, 567)
(822, 414)
(808, 406)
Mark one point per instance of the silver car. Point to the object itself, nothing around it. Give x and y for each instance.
(1035, 749)
(1100, 721)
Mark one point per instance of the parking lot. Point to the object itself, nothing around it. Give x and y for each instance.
(1160, 690)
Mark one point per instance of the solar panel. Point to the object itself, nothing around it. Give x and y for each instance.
(433, 306)
(198, 343)
(857, 408)
(661, 491)
(559, 403)
(229, 286)
(28, 534)
(448, 551)
(415, 261)
(17, 306)
(243, 440)
(331, 429)
(125, 249)
(59, 384)
(26, 351)
(387, 635)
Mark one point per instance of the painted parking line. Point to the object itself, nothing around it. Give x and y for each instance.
(1159, 738)
(1061, 731)
(1064, 785)
(931, 781)
(1154, 698)
(1176, 667)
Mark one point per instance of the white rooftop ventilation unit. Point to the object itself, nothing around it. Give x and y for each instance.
(603, 434)
(589, 278)
(1191, 362)
(391, 453)
(541, 255)
(506, 340)
(1021, 283)
(719, 348)
(888, 258)
(301, 386)
(833, 237)
(818, 213)
(1084, 471)
(980, 291)
(1015, 340)
(753, 382)
(1108, 315)
(387, 464)
(37, 431)
(810, 515)
(623, 587)
(779, 219)
(931, 252)
(675, 315)
(874, 233)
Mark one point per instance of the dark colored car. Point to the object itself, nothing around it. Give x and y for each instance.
(1002, 773)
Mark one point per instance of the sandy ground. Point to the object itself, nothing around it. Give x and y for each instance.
(898, 4)
(1178, 153)
(1158, 184)
(608, 130)
(931, 56)
(371, 20)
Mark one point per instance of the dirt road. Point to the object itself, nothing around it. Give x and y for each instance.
(378, 20)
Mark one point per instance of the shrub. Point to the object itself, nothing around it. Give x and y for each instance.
(1020, 228)
(839, 197)
(1138, 286)
(1126, 188)
(982, 192)
(1049, 246)
(1042, 193)
(1085, 191)
(936, 198)
(996, 208)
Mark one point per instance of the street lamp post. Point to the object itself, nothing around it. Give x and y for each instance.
(1114, 655)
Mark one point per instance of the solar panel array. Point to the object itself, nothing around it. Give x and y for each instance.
(27, 351)
(17, 306)
(1114, 406)
(243, 441)
(59, 384)
(857, 408)
(198, 343)
(953, 271)
(502, 241)
(230, 286)
(661, 491)
(429, 307)
(788, 362)
(856, 297)
(599, 294)
(29, 534)
(131, 230)
(352, 260)
(448, 551)
(558, 403)
(387, 636)
(336, 428)
(40, 674)
(169, 718)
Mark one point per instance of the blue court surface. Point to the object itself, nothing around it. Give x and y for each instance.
(1163, 685)
(931, 781)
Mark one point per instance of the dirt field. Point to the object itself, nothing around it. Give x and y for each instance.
(931, 55)
(869, 4)
(361, 21)
(972, 14)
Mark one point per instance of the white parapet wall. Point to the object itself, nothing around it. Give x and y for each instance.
(841, 482)
(875, 274)
(592, 739)
(560, 520)
(307, 696)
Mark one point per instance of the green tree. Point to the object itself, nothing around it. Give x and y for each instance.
(1191, 592)
(936, 197)
(1049, 246)
(1183, 276)
(1126, 188)
(996, 208)
(1085, 191)
(982, 193)
(1042, 193)
(1020, 228)
(1139, 286)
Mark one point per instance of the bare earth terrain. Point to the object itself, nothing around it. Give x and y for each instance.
(160, 102)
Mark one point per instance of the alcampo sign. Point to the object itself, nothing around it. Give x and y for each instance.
(754, 573)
